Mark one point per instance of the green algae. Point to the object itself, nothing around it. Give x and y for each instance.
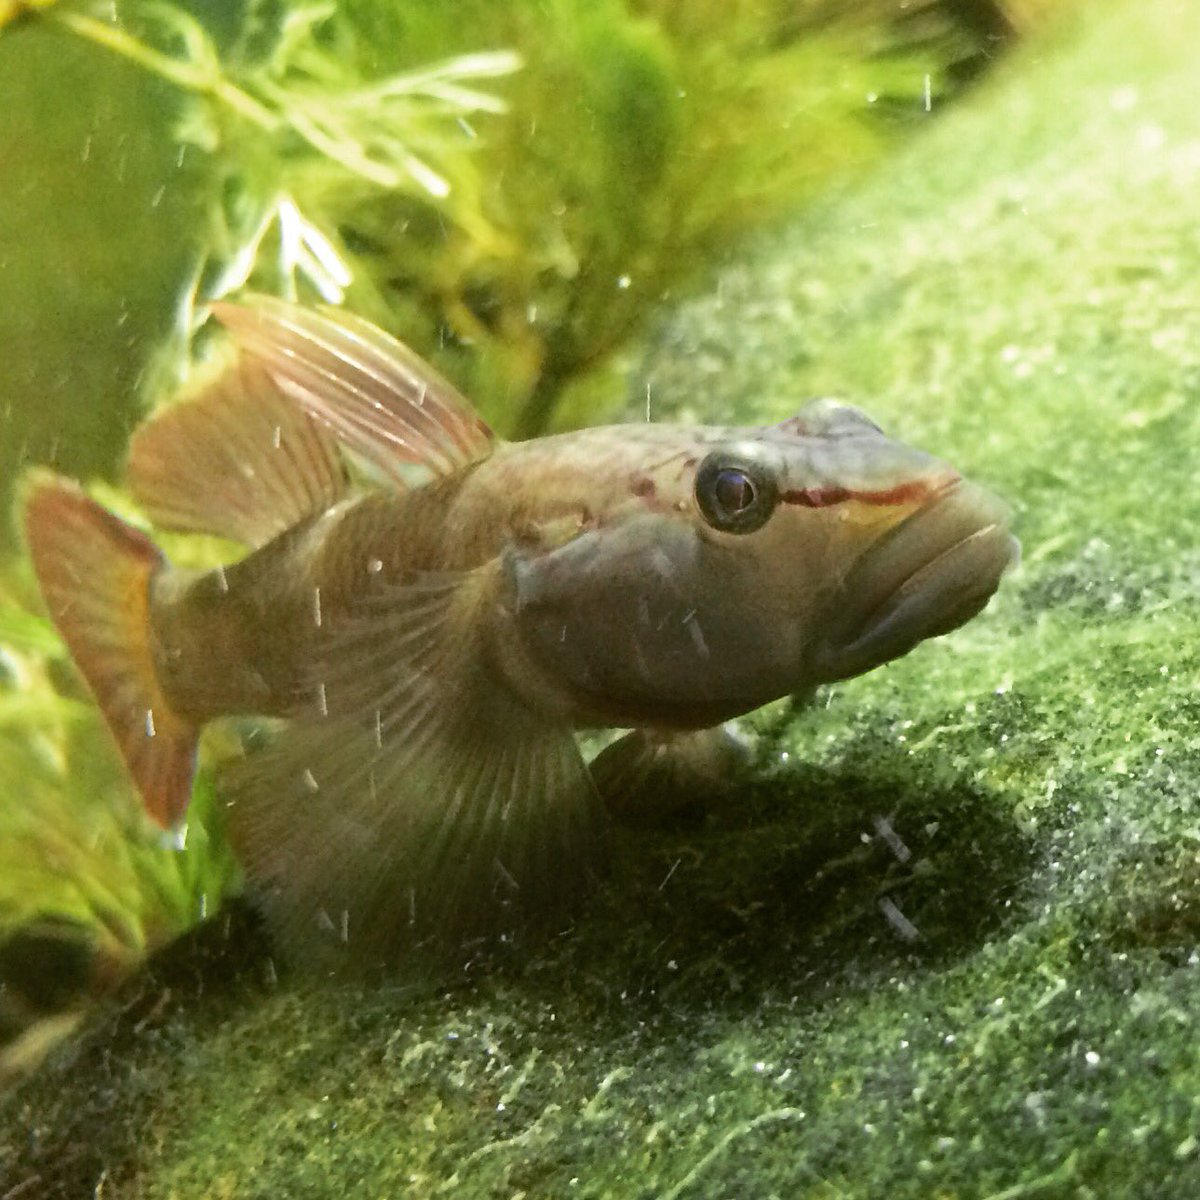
(947, 942)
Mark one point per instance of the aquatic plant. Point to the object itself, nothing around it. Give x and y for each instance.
(519, 223)
(685, 126)
(284, 119)
(86, 893)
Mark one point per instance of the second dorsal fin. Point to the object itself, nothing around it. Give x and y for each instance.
(257, 449)
(238, 459)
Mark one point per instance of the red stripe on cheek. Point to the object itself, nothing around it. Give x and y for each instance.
(824, 497)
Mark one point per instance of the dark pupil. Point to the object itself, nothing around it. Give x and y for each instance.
(733, 491)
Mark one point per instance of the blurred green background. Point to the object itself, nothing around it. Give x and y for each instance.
(516, 215)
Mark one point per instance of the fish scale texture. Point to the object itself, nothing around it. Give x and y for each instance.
(946, 945)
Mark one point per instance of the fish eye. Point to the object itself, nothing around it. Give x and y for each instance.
(735, 492)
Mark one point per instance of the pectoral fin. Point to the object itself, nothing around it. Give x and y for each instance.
(646, 777)
(418, 805)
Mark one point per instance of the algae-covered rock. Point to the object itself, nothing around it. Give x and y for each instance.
(947, 944)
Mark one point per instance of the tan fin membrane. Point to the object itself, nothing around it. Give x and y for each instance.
(379, 398)
(239, 459)
(95, 574)
(646, 777)
(419, 811)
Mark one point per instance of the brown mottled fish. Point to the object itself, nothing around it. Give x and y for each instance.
(433, 612)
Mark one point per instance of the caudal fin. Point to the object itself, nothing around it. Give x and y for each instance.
(95, 572)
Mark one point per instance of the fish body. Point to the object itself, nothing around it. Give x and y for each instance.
(432, 613)
(613, 603)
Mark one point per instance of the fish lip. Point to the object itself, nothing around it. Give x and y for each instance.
(930, 573)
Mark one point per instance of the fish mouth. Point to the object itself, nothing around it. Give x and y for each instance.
(927, 575)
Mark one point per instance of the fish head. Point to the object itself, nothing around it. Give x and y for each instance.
(764, 562)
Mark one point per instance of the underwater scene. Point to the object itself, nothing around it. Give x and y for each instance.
(598, 598)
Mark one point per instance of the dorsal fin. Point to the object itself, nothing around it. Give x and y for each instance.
(379, 398)
(256, 450)
(238, 459)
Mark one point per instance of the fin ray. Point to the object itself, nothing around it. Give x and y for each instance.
(94, 572)
(261, 446)
(239, 459)
(455, 814)
(381, 400)
(646, 777)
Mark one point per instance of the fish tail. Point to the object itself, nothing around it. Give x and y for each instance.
(95, 572)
